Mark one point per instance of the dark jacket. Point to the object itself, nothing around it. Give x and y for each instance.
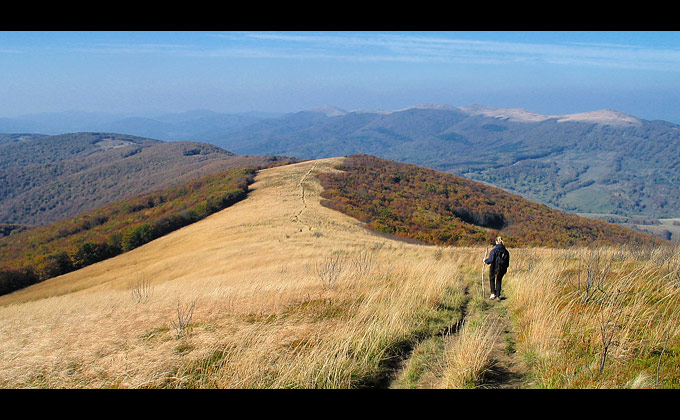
(491, 259)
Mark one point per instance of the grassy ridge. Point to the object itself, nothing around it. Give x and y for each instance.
(439, 208)
(272, 312)
(38, 254)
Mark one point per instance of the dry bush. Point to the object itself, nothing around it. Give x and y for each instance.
(140, 290)
(364, 261)
(183, 317)
(330, 269)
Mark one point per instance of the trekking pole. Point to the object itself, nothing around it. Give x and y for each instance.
(486, 254)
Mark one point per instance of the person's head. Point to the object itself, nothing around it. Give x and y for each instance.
(499, 240)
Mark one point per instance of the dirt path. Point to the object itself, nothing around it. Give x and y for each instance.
(395, 366)
(507, 370)
(301, 184)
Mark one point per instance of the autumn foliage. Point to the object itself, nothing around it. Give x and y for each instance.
(413, 202)
(38, 254)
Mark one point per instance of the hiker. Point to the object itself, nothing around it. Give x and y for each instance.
(498, 261)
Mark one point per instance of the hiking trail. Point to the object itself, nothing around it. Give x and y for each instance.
(506, 370)
(301, 184)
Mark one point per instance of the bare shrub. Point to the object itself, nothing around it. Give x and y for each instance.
(438, 253)
(596, 268)
(140, 290)
(667, 256)
(364, 261)
(608, 317)
(329, 270)
(642, 252)
(184, 315)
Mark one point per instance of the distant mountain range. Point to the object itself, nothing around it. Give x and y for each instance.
(601, 162)
(47, 178)
(595, 162)
(197, 125)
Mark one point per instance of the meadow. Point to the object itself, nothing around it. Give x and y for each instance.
(278, 291)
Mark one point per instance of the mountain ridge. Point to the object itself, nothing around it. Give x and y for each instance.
(48, 178)
(439, 209)
(601, 116)
(603, 161)
(599, 162)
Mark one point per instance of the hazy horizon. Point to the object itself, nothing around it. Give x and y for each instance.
(154, 73)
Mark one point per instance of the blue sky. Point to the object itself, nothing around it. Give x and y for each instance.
(148, 72)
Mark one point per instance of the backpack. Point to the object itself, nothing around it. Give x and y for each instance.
(502, 260)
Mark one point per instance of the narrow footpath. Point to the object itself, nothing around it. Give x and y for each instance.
(505, 368)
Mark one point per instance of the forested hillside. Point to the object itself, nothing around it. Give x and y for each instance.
(17, 138)
(440, 208)
(32, 256)
(46, 178)
(598, 162)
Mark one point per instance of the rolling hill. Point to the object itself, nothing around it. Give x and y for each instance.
(35, 255)
(594, 162)
(278, 291)
(47, 178)
(402, 200)
(444, 209)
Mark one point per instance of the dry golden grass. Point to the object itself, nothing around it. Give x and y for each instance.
(262, 316)
(599, 318)
(289, 294)
(468, 353)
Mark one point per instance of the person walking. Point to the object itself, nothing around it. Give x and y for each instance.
(498, 262)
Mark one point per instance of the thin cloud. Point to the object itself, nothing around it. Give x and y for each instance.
(392, 47)
(395, 47)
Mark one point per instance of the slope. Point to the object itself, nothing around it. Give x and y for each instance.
(44, 179)
(203, 248)
(276, 291)
(245, 284)
(592, 162)
(47, 251)
(444, 209)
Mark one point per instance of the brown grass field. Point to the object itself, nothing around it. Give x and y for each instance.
(280, 292)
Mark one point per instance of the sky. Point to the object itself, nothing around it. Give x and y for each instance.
(143, 73)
